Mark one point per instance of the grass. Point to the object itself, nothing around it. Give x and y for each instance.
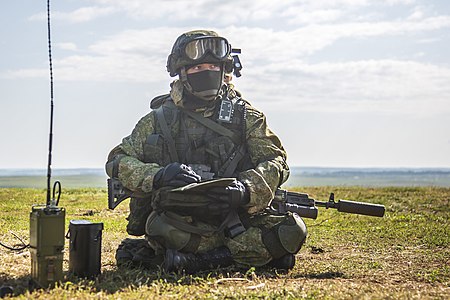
(404, 255)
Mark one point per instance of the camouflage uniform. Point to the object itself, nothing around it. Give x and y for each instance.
(262, 170)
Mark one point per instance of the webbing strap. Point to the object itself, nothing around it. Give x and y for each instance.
(214, 126)
(167, 134)
(231, 164)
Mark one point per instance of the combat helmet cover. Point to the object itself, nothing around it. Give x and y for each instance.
(177, 60)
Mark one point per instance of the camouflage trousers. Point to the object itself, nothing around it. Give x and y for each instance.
(266, 237)
(140, 209)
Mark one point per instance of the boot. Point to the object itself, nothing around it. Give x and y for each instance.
(192, 263)
(127, 249)
(6, 291)
(146, 257)
(137, 252)
(286, 262)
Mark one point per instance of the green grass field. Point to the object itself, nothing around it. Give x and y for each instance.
(404, 255)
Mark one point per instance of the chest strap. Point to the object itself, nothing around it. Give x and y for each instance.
(214, 126)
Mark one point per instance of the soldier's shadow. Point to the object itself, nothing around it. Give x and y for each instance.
(117, 280)
(108, 281)
(323, 275)
(113, 281)
(13, 286)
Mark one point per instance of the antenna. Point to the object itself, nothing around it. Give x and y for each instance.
(50, 139)
(47, 222)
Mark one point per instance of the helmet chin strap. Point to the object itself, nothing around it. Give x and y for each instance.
(187, 85)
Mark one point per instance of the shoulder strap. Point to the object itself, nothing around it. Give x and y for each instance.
(166, 133)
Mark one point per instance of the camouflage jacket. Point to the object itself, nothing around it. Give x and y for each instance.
(141, 154)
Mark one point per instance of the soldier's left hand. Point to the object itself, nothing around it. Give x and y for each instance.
(228, 198)
(176, 175)
(239, 195)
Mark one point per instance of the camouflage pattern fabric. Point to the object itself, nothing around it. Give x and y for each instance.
(264, 148)
(247, 248)
(265, 153)
(140, 209)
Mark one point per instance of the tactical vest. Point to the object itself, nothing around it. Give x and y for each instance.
(213, 148)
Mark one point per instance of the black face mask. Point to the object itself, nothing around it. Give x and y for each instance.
(205, 84)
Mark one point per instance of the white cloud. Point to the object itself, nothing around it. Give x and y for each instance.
(232, 11)
(67, 46)
(311, 17)
(222, 13)
(145, 51)
(417, 14)
(148, 42)
(278, 55)
(388, 86)
(299, 55)
(131, 55)
(271, 45)
(398, 2)
(139, 9)
(83, 14)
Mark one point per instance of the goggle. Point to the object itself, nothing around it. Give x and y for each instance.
(216, 46)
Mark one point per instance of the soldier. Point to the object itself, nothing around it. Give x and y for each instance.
(204, 130)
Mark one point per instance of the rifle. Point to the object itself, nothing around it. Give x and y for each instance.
(118, 193)
(283, 202)
(306, 207)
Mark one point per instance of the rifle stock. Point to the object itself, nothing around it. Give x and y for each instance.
(118, 193)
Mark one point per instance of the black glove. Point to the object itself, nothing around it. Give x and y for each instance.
(235, 194)
(238, 194)
(176, 175)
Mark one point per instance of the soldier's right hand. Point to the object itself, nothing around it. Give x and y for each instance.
(175, 175)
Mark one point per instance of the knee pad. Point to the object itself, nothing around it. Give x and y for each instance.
(169, 236)
(286, 237)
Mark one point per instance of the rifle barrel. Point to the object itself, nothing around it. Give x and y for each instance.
(360, 208)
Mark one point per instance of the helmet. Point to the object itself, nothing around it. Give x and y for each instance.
(199, 46)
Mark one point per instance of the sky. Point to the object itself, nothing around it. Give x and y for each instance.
(343, 83)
